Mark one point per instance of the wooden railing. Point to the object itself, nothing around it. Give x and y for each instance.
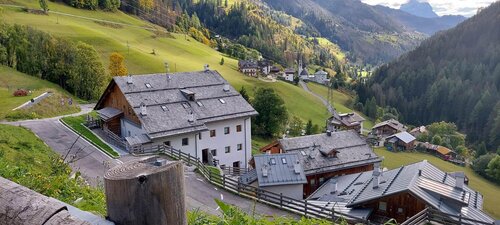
(432, 215)
(301, 207)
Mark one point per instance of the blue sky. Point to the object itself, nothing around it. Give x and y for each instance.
(441, 7)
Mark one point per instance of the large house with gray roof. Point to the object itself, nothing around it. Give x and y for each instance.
(327, 155)
(400, 194)
(198, 113)
(282, 173)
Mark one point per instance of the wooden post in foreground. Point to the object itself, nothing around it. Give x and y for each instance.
(146, 192)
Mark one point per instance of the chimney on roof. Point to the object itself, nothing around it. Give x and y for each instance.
(226, 87)
(328, 133)
(143, 109)
(376, 175)
(264, 171)
(459, 180)
(334, 186)
(191, 117)
(206, 68)
(296, 167)
(129, 79)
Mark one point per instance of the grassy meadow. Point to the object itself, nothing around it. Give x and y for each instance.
(339, 101)
(137, 44)
(488, 189)
(11, 80)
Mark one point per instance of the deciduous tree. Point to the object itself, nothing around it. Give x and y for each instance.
(272, 113)
(117, 65)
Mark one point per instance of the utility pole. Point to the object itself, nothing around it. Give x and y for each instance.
(167, 67)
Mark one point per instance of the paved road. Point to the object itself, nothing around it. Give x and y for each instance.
(94, 163)
(323, 100)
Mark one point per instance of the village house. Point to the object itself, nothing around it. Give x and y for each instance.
(303, 74)
(265, 66)
(401, 141)
(345, 121)
(248, 67)
(327, 155)
(437, 150)
(277, 173)
(387, 128)
(198, 113)
(320, 77)
(401, 193)
(417, 131)
(289, 74)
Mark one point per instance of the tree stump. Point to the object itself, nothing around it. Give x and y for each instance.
(146, 192)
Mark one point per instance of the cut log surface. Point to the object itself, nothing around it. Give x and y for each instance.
(20, 205)
(149, 192)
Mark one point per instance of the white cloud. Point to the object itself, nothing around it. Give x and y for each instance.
(441, 7)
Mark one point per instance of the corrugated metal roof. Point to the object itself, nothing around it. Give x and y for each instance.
(422, 179)
(404, 137)
(279, 169)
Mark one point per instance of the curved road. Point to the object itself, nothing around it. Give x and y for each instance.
(323, 100)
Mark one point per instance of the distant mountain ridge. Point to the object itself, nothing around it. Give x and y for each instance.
(417, 8)
(453, 76)
(369, 34)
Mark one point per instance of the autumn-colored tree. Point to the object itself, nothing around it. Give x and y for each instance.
(116, 65)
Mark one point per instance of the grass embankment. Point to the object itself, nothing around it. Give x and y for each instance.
(26, 160)
(339, 101)
(489, 190)
(11, 80)
(136, 44)
(76, 124)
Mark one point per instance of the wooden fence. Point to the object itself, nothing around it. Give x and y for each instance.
(432, 215)
(301, 207)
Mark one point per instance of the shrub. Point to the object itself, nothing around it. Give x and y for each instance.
(481, 164)
(20, 92)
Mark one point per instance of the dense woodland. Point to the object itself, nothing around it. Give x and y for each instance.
(76, 67)
(453, 76)
(244, 24)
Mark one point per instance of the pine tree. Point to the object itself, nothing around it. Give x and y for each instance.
(222, 61)
(244, 93)
(44, 5)
(309, 128)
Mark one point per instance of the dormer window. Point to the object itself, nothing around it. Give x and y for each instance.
(283, 160)
(189, 95)
(273, 161)
(222, 101)
(164, 108)
(148, 85)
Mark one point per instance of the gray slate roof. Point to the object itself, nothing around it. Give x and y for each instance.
(433, 186)
(279, 173)
(403, 136)
(392, 123)
(352, 151)
(168, 108)
(347, 119)
(321, 72)
(108, 113)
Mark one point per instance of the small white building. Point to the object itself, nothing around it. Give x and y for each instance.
(198, 113)
(320, 77)
(278, 173)
(289, 74)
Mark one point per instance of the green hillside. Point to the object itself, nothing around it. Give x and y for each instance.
(11, 80)
(182, 53)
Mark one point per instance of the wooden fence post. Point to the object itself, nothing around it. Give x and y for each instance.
(189, 159)
(224, 181)
(180, 155)
(281, 200)
(305, 207)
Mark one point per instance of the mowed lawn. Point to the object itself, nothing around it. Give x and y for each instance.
(11, 80)
(339, 101)
(136, 44)
(489, 190)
